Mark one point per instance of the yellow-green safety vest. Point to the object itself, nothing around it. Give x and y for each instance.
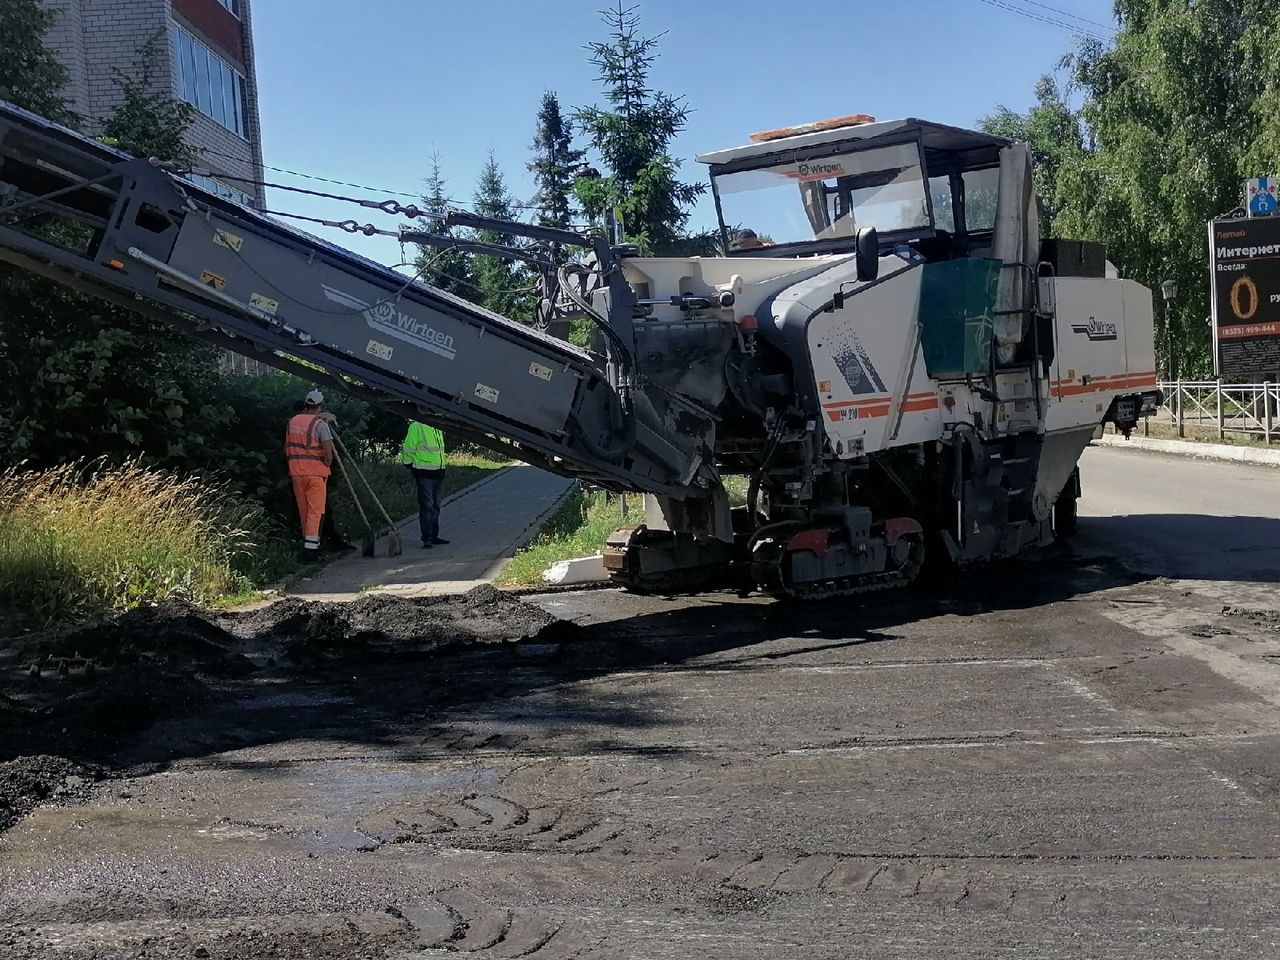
(423, 447)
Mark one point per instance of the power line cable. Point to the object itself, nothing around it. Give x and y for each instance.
(1110, 28)
(1032, 15)
(343, 183)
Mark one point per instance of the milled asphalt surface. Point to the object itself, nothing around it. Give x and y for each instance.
(1072, 757)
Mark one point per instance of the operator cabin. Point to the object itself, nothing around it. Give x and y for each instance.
(945, 209)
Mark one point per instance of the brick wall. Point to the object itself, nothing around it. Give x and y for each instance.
(231, 153)
(96, 38)
(253, 126)
(113, 32)
(66, 39)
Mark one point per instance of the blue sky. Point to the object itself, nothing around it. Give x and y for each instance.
(367, 93)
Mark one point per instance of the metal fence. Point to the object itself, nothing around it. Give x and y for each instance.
(1251, 409)
(234, 365)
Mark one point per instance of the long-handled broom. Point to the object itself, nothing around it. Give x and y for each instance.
(395, 546)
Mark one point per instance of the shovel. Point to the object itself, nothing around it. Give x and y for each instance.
(395, 546)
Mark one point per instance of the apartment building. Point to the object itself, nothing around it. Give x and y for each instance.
(204, 56)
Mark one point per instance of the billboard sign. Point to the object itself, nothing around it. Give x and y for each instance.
(1245, 258)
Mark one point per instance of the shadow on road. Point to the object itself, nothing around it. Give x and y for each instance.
(1190, 546)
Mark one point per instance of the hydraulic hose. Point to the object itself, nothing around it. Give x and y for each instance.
(626, 360)
(627, 435)
(753, 488)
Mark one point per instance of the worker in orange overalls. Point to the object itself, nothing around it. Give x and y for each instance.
(308, 448)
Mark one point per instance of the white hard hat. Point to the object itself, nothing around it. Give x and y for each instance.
(314, 398)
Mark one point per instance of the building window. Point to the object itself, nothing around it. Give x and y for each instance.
(232, 5)
(209, 83)
(221, 189)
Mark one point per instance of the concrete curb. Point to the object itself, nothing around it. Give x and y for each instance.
(1187, 448)
(576, 571)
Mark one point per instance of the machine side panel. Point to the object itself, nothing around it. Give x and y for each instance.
(456, 357)
(869, 370)
(1093, 364)
(1139, 329)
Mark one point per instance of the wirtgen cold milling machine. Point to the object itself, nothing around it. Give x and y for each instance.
(887, 351)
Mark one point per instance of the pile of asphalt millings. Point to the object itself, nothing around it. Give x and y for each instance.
(76, 693)
(69, 693)
(80, 694)
(173, 636)
(386, 627)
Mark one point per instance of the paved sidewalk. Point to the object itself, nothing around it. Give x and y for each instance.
(485, 523)
(1195, 448)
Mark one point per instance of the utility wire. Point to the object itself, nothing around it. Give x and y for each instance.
(1051, 21)
(1110, 28)
(342, 183)
(369, 230)
(390, 206)
(348, 226)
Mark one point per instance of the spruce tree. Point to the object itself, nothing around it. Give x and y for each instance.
(444, 268)
(497, 279)
(633, 135)
(553, 165)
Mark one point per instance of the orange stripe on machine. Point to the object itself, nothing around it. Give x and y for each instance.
(878, 407)
(1121, 381)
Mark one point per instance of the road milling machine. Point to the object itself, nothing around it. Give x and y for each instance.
(886, 353)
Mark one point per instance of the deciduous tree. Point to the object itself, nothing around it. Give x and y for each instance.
(80, 378)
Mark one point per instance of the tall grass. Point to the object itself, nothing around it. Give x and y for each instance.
(79, 541)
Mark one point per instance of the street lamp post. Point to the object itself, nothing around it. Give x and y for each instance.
(1169, 290)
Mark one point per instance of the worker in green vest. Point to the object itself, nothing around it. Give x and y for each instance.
(423, 454)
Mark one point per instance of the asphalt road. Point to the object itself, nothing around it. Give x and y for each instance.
(1180, 517)
(1075, 756)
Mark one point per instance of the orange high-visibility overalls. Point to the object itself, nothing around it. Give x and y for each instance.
(305, 454)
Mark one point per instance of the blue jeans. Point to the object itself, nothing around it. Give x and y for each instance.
(429, 483)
